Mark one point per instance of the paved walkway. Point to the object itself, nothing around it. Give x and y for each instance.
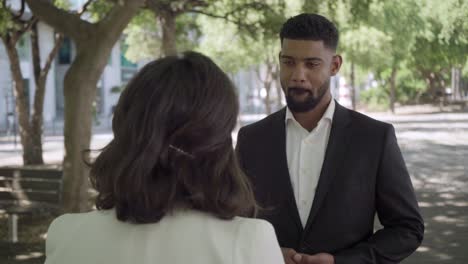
(435, 147)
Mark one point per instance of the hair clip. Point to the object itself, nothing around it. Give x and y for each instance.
(181, 151)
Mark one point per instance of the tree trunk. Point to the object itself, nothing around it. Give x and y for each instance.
(80, 85)
(38, 106)
(432, 86)
(22, 103)
(267, 81)
(94, 44)
(353, 87)
(78, 98)
(279, 91)
(393, 89)
(168, 24)
(79, 93)
(456, 91)
(267, 86)
(40, 79)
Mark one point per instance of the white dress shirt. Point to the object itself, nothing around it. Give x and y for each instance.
(305, 152)
(187, 236)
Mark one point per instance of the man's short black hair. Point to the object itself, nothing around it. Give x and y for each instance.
(310, 27)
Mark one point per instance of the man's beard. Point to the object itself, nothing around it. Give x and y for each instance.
(309, 102)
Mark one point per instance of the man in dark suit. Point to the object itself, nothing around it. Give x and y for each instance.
(322, 172)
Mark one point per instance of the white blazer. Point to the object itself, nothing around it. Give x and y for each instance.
(185, 237)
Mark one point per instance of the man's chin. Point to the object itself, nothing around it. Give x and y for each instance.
(301, 106)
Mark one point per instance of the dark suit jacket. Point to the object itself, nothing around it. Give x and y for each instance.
(363, 174)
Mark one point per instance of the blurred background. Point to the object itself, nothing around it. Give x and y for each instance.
(64, 63)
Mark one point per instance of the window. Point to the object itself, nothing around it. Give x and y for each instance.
(23, 47)
(123, 61)
(27, 93)
(64, 56)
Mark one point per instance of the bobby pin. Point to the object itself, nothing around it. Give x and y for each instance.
(181, 151)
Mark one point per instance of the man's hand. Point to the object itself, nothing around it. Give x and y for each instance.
(320, 258)
(288, 255)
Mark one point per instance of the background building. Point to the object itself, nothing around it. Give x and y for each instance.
(117, 72)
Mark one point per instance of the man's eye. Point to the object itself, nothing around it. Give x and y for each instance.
(288, 62)
(312, 64)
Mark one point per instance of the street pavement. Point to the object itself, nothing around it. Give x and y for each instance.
(435, 147)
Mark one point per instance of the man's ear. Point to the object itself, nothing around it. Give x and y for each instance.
(337, 61)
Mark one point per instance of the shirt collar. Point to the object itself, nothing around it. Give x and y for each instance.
(328, 115)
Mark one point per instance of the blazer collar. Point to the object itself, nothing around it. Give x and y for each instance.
(334, 157)
(280, 162)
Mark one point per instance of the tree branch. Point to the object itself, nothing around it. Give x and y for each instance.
(26, 25)
(84, 8)
(52, 54)
(194, 3)
(248, 27)
(254, 6)
(259, 75)
(36, 55)
(117, 18)
(63, 21)
(15, 16)
(20, 13)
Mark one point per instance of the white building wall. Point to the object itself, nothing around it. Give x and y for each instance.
(46, 42)
(53, 99)
(111, 77)
(5, 84)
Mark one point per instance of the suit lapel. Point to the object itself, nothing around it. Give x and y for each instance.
(281, 166)
(334, 156)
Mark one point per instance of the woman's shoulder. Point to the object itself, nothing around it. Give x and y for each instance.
(253, 222)
(196, 219)
(59, 228)
(64, 220)
(69, 220)
(252, 227)
(256, 242)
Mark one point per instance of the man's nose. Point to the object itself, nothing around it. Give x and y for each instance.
(298, 75)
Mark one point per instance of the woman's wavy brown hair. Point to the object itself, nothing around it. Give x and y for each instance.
(172, 145)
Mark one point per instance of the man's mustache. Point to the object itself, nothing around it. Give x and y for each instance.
(296, 89)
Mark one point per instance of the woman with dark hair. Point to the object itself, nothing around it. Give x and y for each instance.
(169, 186)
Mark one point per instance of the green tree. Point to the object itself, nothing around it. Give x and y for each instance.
(13, 28)
(442, 45)
(424, 41)
(257, 50)
(94, 41)
(364, 48)
(177, 27)
(389, 43)
(351, 17)
(237, 34)
(144, 37)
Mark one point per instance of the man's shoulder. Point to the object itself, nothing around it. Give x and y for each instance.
(363, 121)
(266, 122)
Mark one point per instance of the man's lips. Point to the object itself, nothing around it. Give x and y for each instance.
(298, 90)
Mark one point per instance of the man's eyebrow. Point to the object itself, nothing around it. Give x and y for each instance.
(315, 59)
(286, 57)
